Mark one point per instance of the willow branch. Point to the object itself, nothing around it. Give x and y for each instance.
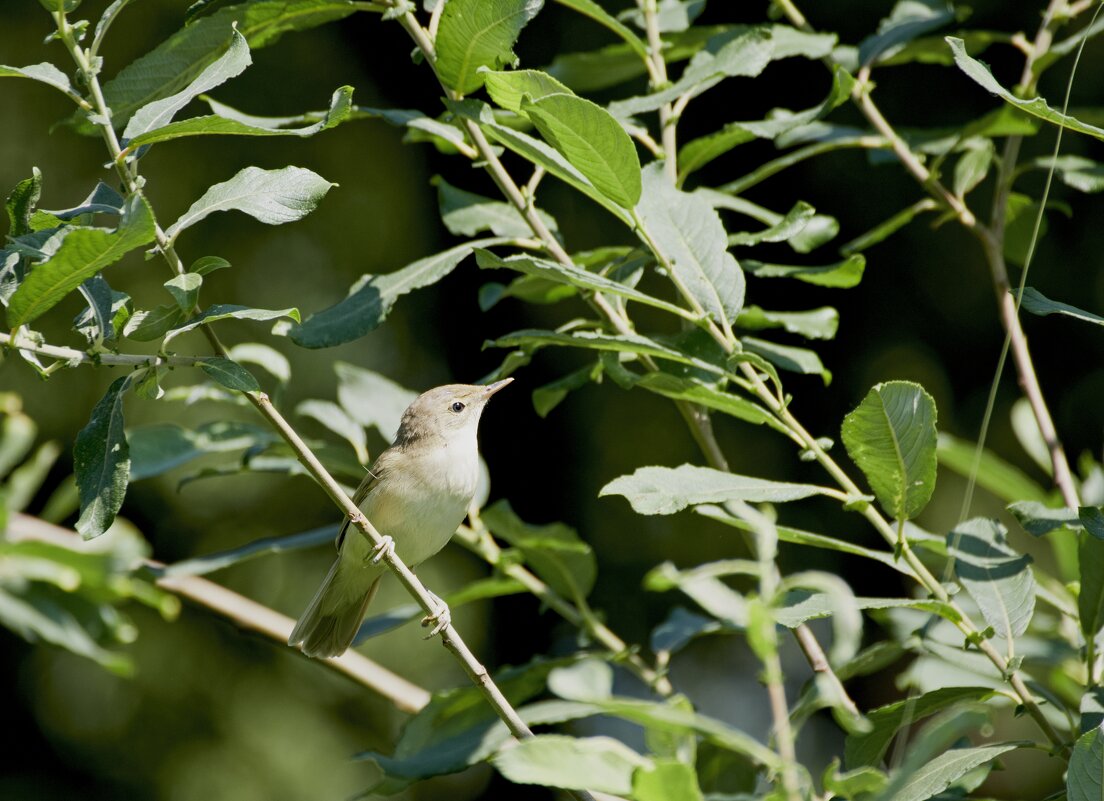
(241, 611)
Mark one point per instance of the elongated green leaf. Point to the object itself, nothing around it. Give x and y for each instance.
(160, 447)
(548, 397)
(146, 326)
(83, 253)
(101, 461)
(891, 437)
(668, 779)
(787, 357)
(626, 343)
(45, 73)
(1004, 480)
(479, 33)
(337, 420)
(575, 276)
(906, 22)
(370, 299)
(886, 229)
(740, 51)
(20, 204)
(704, 394)
(868, 748)
(268, 359)
(271, 196)
(554, 551)
(597, 763)
(1090, 600)
(467, 214)
(228, 122)
(841, 275)
(814, 324)
(666, 490)
(591, 9)
(229, 373)
(509, 88)
(998, 579)
(371, 399)
(1036, 302)
(691, 237)
(536, 152)
(420, 127)
(930, 779)
(176, 62)
(227, 311)
(592, 141)
(1039, 520)
(160, 112)
(1085, 777)
(792, 224)
(1037, 107)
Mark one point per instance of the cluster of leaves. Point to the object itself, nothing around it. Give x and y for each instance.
(1038, 635)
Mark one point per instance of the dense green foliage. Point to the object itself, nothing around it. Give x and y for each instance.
(992, 633)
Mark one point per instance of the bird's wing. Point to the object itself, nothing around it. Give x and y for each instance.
(366, 486)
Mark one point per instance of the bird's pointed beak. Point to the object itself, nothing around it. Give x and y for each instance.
(491, 389)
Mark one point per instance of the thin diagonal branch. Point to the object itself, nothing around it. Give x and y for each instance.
(243, 612)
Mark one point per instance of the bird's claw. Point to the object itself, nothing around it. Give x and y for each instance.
(440, 619)
(386, 547)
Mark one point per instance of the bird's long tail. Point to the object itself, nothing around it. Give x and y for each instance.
(332, 618)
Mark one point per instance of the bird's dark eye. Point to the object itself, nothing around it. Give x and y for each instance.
(458, 407)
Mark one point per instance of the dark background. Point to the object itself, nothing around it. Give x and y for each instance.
(216, 714)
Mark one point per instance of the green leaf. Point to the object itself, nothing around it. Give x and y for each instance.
(337, 420)
(227, 311)
(666, 780)
(1090, 600)
(370, 299)
(1076, 172)
(185, 290)
(665, 490)
(1039, 520)
(1036, 302)
(371, 399)
(176, 62)
(549, 396)
(479, 33)
(787, 357)
(699, 152)
(229, 373)
(1004, 480)
(101, 461)
(536, 152)
(467, 214)
(508, 89)
(688, 232)
(907, 21)
(841, 275)
(789, 226)
(268, 359)
(208, 264)
(271, 196)
(998, 579)
(814, 324)
(591, 9)
(1084, 779)
(83, 252)
(891, 437)
(740, 51)
(160, 447)
(106, 314)
(420, 127)
(554, 551)
(597, 763)
(972, 167)
(21, 203)
(159, 113)
(45, 73)
(1037, 107)
(572, 275)
(888, 228)
(625, 343)
(592, 141)
(931, 779)
(705, 394)
(229, 122)
(146, 326)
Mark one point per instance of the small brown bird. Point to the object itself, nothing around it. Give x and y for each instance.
(416, 494)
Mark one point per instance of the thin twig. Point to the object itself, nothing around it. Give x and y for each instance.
(241, 611)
